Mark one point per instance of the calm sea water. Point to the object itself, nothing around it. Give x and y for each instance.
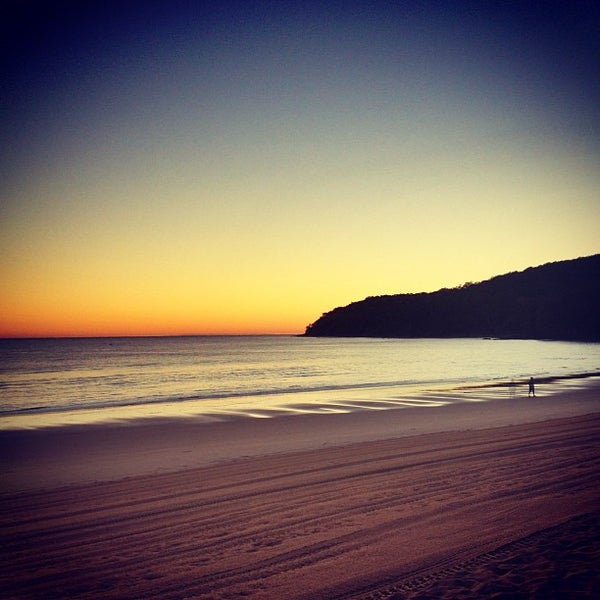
(46, 382)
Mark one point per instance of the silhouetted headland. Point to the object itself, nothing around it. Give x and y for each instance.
(557, 301)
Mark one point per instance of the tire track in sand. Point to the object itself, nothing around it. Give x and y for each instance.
(557, 542)
(314, 524)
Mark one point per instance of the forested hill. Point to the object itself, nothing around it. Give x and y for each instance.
(558, 301)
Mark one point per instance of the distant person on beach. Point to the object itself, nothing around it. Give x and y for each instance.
(531, 387)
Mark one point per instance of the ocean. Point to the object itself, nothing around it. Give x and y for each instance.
(45, 382)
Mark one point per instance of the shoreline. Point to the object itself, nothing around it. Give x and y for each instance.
(277, 404)
(66, 455)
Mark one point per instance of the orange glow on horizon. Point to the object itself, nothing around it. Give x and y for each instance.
(127, 326)
(141, 329)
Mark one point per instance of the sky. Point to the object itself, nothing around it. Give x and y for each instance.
(236, 167)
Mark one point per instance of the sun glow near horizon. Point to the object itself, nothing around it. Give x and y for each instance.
(243, 171)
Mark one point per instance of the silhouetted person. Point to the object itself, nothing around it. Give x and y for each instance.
(531, 387)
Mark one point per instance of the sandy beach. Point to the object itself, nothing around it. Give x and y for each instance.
(474, 499)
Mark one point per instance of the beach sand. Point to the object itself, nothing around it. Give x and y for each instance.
(475, 499)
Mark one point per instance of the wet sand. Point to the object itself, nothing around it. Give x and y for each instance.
(466, 500)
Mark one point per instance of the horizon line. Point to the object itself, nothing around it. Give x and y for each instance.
(143, 335)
